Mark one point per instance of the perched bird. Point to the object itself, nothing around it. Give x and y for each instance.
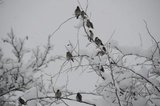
(79, 97)
(83, 15)
(102, 69)
(98, 41)
(112, 62)
(104, 49)
(100, 53)
(22, 101)
(69, 56)
(58, 94)
(89, 24)
(90, 36)
(77, 12)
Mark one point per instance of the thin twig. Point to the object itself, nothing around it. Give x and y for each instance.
(61, 25)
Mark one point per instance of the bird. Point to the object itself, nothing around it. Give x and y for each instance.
(104, 49)
(77, 12)
(58, 94)
(79, 97)
(90, 35)
(112, 62)
(22, 101)
(102, 69)
(101, 52)
(98, 41)
(69, 56)
(89, 24)
(83, 15)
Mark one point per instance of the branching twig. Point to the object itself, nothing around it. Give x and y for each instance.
(157, 43)
(61, 25)
(61, 99)
(140, 76)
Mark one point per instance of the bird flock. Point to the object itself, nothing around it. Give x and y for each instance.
(79, 13)
(82, 14)
(58, 95)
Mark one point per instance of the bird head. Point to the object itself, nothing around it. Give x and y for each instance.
(88, 20)
(91, 31)
(96, 38)
(78, 8)
(58, 90)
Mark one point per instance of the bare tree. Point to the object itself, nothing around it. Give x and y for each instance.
(123, 84)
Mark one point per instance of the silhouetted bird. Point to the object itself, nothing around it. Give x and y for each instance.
(102, 69)
(104, 49)
(90, 36)
(21, 101)
(79, 97)
(100, 53)
(77, 12)
(58, 94)
(69, 56)
(83, 15)
(98, 41)
(112, 62)
(89, 24)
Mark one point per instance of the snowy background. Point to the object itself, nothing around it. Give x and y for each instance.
(39, 18)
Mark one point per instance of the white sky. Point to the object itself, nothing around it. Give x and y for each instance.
(39, 18)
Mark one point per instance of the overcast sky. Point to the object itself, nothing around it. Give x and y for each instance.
(39, 18)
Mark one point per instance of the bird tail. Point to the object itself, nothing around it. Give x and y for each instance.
(77, 16)
(72, 59)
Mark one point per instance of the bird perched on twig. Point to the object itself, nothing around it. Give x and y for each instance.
(102, 69)
(83, 15)
(22, 101)
(104, 49)
(90, 38)
(77, 12)
(58, 94)
(79, 97)
(89, 24)
(98, 41)
(100, 53)
(69, 56)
